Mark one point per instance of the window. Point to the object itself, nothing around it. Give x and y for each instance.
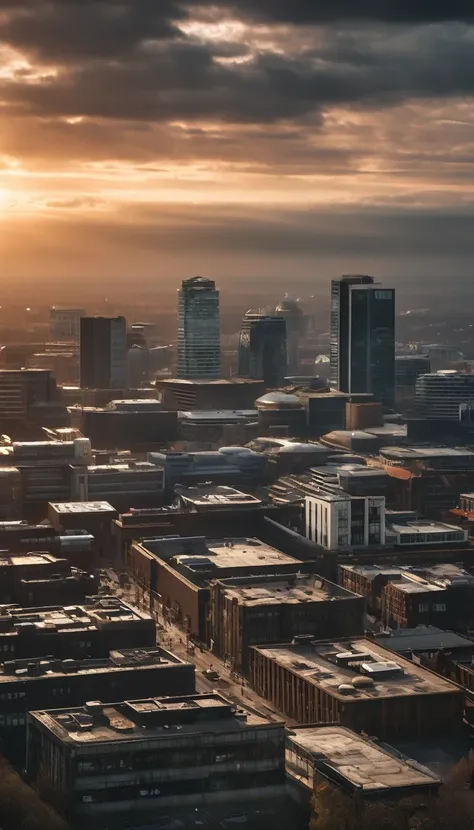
(423, 607)
(439, 606)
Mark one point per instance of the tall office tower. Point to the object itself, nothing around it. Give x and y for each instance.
(262, 348)
(103, 353)
(65, 324)
(441, 395)
(362, 349)
(292, 314)
(199, 338)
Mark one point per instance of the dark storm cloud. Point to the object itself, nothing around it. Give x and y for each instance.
(325, 11)
(179, 79)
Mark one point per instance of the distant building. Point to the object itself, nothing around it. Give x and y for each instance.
(363, 337)
(41, 579)
(229, 465)
(27, 395)
(338, 521)
(408, 368)
(316, 758)
(124, 485)
(222, 394)
(273, 609)
(262, 348)
(210, 429)
(167, 753)
(439, 395)
(134, 424)
(281, 414)
(65, 324)
(357, 684)
(293, 316)
(103, 353)
(199, 348)
(426, 642)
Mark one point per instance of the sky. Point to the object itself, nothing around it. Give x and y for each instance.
(294, 140)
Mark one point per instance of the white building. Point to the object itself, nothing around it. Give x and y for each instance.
(338, 521)
(441, 394)
(199, 347)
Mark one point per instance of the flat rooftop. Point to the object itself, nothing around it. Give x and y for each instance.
(371, 572)
(104, 611)
(198, 553)
(216, 495)
(82, 507)
(421, 526)
(330, 665)
(234, 381)
(423, 638)
(8, 560)
(340, 753)
(118, 661)
(219, 415)
(423, 453)
(150, 718)
(411, 584)
(284, 590)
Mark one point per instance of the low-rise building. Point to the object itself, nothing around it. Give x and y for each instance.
(359, 684)
(40, 579)
(138, 424)
(157, 754)
(179, 570)
(75, 631)
(36, 683)
(368, 581)
(338, 521)
(225, 393)
(123, 485)
(95, 517)
(250, 610)
(229, 465)
(208, 429)
(441, 595)
(426, 642)
(321, 756)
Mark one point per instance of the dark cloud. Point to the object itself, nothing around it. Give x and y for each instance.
(325, 11)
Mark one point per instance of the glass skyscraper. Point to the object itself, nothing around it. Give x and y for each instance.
(199, 346)
(362, 349)
(262, 348)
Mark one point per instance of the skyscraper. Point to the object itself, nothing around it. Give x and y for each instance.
(199, 346)
(103, 353)
(293, 316)
(362, 334)
(262, 348)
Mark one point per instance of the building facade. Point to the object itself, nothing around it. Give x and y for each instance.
(199, 347)
(362, 332)
(337, 521)
(439, 395)
(65, 324)
(103, 353)
(157, 754)
(262, 348)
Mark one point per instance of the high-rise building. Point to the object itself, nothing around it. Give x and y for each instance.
(65, 324)
(199, 347)
(103, 353)
(262, 348)
(292, 314)
(362, 334)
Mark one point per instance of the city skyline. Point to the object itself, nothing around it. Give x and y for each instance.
(238, 140)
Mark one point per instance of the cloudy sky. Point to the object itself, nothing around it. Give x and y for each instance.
(295, 138)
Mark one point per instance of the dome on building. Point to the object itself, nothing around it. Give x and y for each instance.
(297, 447)
(353, 440)
(235, 451)
(279, 400)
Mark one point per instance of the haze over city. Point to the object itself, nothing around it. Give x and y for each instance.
(281, 140)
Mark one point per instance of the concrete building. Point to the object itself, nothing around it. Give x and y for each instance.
(426, 643)
(199, 336)
(294, 319)
(40, 579)
(229, 465)
(124, 485)
(179, 570)
(91, 629)
(248, 610)
(157, 754)
(103, 353)
(29, 400)
(357, 684)
(35, 683)
(352, 479)
(434, 457)
(322, 756)
(440, 595)
(408, 368)
(222, 394)
(407, 529)
(93, 517)
(338, 521)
